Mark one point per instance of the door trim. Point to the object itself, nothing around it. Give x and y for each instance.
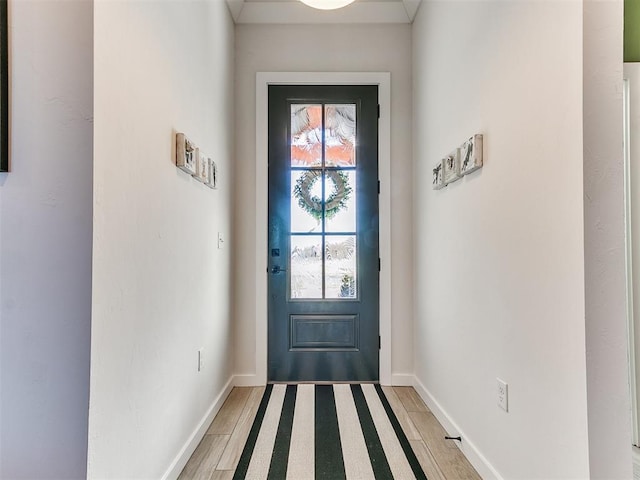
(263, 80)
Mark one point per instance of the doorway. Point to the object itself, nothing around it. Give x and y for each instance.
(323, 274)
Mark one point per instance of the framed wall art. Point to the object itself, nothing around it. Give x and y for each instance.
(438, 177)
(186, 154)
(471, 155)
(213, 174)
(202, 173)
(451, 166)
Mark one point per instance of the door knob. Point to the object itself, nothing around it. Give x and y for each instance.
(277, 269)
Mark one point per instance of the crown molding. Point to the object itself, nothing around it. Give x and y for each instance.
(244, 12)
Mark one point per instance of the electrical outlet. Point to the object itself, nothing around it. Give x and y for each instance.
(503, 395)
(200, 359)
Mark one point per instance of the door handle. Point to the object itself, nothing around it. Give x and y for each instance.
(277, 269)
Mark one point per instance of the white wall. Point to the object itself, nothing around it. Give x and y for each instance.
(606, 326)
(335, 48)
(45, 242)
(161, 286)
(499, 276)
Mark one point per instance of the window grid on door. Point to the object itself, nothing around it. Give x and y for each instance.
(323, 247)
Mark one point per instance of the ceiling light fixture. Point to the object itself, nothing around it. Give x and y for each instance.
(327, 4)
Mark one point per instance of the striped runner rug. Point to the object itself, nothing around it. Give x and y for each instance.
(327, 432)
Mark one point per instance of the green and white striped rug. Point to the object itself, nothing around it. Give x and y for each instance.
(327, 432)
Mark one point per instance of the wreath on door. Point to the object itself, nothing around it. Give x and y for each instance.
(312, 204)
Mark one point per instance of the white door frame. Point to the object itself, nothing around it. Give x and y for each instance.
(263, 80)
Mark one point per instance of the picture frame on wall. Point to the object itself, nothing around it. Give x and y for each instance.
(451, 167)
(213, 174)
(438, 176)
(186, 154)
(204, 163)
(471, 155)
(4, 89)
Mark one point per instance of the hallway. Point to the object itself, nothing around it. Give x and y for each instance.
(133, 297)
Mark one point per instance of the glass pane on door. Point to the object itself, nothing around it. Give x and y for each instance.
(344, 218)
(306, 266)
(306, 201)
(323, 202)
(340, 266)
(340, 135)
(306, 135)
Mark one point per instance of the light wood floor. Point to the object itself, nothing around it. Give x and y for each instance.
(219, 451)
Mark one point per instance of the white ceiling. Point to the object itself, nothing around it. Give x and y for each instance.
(293, 11)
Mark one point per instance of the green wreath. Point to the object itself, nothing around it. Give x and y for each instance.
(312, 204)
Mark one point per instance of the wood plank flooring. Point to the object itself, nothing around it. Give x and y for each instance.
(217, 455)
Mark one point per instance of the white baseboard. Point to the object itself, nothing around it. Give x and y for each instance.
(189, 447)
(402, 379)
(475, 457)
(249, 380)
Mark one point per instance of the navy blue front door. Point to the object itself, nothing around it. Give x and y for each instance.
(323, 233)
